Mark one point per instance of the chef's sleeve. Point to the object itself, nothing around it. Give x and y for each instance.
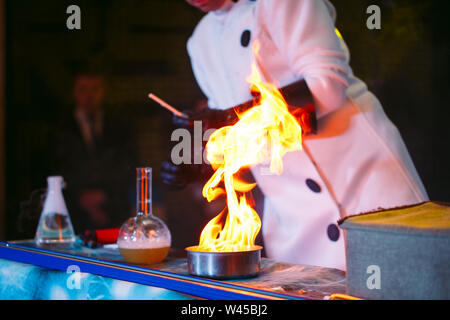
(304, 33)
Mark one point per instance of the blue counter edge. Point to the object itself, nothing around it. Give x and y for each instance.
(198, 287)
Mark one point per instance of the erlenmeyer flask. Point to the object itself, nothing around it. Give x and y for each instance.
(55, 227)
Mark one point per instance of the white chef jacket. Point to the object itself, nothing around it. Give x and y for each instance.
(356, 163)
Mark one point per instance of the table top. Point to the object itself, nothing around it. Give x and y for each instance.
(275, 281)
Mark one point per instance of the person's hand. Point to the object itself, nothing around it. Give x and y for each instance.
(178, 176)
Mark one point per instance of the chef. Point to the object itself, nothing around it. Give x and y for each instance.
(356, 162)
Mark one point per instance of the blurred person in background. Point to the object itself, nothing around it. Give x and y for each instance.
(95, 153)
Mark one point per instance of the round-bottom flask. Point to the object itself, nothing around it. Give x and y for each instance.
(144, 239)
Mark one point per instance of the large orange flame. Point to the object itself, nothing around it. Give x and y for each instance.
(262, 135)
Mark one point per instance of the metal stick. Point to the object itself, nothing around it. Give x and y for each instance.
(167, 106)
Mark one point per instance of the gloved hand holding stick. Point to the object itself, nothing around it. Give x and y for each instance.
(176, 176)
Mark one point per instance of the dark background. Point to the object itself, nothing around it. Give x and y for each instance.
(141, 44)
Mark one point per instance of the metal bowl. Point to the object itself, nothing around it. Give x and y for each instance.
(224, 265)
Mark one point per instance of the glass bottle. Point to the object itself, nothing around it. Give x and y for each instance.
(55, 226)
(144, 239)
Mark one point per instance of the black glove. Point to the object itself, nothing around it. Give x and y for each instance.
(178, 176)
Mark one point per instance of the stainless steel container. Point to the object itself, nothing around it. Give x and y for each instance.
(224, 265)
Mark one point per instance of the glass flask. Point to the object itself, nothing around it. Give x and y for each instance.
(55, 226)
(144, 239)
